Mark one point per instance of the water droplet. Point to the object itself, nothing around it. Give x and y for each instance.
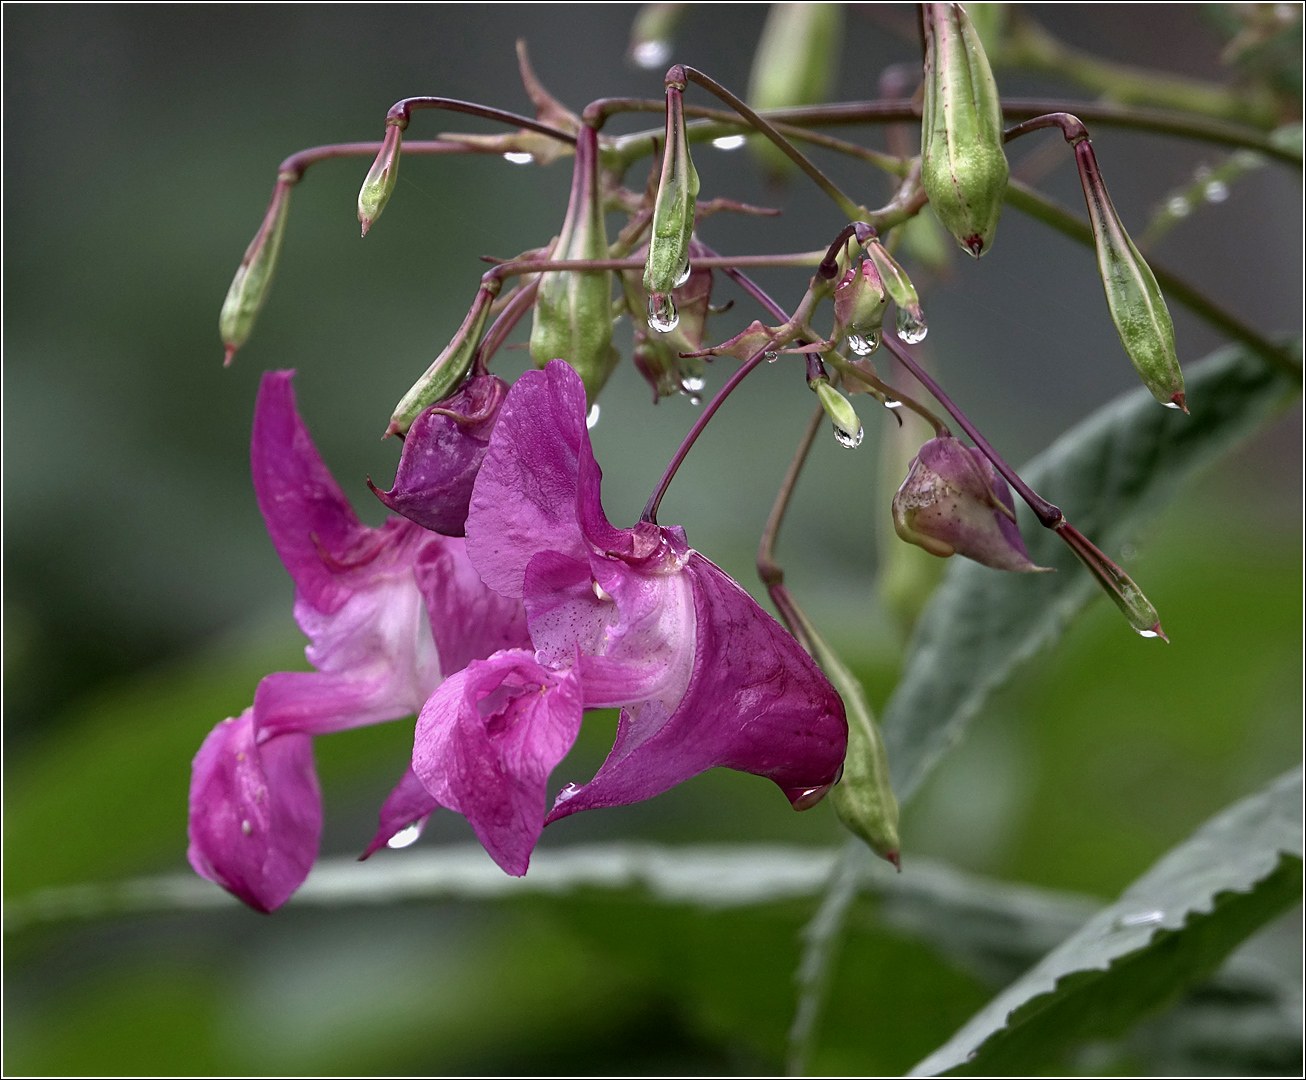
(1170, 404)
(651, 54)
(406, 836)
(1216, 191)
(662, 314)
(850, 440)
(889, 403)
(692, 384)
(1148, 633)
(729, 142)
(911, 326)
(593, 417)
(1179, 206)
(518, 158)
(1142, 918)
(806, 798)
(683, 276)
(600, 591)
(567, 792)
(772, 357)
(859, 345)
(246, 827)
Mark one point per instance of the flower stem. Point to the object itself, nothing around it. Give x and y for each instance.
(680, 73)
(767, 568)
(522, 301)
(292, 169)
(1048, 515)
(714, 262)
(401, 112)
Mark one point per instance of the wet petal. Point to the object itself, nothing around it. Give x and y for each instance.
(486, 743)
(755, 702)
(255, 812)
(409, 804)
(442, 455)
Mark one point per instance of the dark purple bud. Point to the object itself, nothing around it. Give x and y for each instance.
(954, 502)
(442, 455)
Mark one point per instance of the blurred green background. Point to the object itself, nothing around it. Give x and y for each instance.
(143, 601)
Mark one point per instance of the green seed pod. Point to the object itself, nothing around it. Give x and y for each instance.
(911, 319)
(963, 166)
(1118, 585)
(445, 375)
(796, 63)
(667, 266)
(1132, 294)
(573, 308)
(381, 178)
(863, 798)
(249, 288)
(847, 424)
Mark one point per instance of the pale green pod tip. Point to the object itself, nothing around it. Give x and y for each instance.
(249, 288)
(381, 178)
(963, 165)
(843, 417)
(667, 265)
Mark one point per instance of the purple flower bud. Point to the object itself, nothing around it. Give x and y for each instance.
(442, 455)
(954, 502)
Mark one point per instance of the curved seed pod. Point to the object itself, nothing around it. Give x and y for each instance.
(573, 308)
(796, 63)
(863, 797)
(1137, 307)
(449, 369)
(253, 280)
(667, 265)
(1118, 585)
(381, 178)
(963, 166)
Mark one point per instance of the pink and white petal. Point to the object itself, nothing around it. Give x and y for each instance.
(524, 500)
(255, 812)
(468, 621)
(755, 702)
(408, 804)
(486, 743)
(307, 514)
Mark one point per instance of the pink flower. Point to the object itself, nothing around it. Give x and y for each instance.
(631, 618)
(388, 612)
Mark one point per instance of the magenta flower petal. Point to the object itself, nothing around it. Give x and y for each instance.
(442, 455)
(755, 702)
(486, 742)
(524, 500)
(255, 812)
(409, 804)
(313, 527)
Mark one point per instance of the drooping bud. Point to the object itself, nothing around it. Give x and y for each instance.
(843, 417)
(249, 288)
(381, 178)
(442, 455)
(651, 33)
(859, 303)
(954, 502)
(863, 797)
(963, 165)
(1118, 585)
(910, 318)
(1132, 294)
(667, 265)
(573, 308)
(796, 63)
(449, 369)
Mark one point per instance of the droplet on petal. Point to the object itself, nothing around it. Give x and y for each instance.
(593, 417)
(406, 836)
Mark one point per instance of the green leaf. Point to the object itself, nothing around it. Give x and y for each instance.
(1171, 928)
(1108, 475)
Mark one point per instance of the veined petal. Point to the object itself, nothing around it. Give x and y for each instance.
(408, 804)
(524, 500)
(442, 454)
(255, 812)
(313, 527)
(486, 742)
(755, 702)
